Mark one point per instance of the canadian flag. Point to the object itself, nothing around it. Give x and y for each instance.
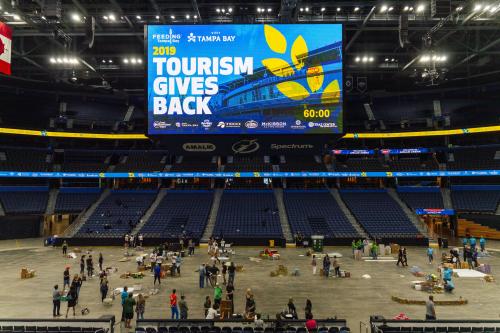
(5, 48)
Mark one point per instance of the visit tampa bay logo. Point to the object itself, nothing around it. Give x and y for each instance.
(298, 54)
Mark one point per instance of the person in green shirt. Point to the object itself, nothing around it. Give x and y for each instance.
(128, 310)
(217, 294)
(374, 250)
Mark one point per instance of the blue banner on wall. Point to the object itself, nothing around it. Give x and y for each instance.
(405, 151)
(353, 152)
(434, 211)
(374, 174)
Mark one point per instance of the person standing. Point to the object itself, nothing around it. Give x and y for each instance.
(405, 257)
(183, 308)
(173, 305)
(191, 247)
(202, 272)
(64, 248)
(141, 239)
(82, 265)
(217, 294)
(128, 310)
(72, 300)
(157, 274)
(126, 241)
(482, 243)
(400, 257)
(292, 310)
(314, 264)
(66, 277)
(124, 296)
(56, 302)
(308, 308)
(430, 311)
(230, 295)
(140, 307)
(430, 254)
(231, 273)
(101, 261)
(104, 287)
(207, 305)
(90, 266)
(326, 266)
(224, 272)
(336, 266)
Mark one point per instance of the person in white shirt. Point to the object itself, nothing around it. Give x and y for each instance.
(141, 239)
(212, 312)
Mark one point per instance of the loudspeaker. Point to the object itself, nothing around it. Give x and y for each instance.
(403, 30)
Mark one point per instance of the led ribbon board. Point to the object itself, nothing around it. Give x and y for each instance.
(244, 79)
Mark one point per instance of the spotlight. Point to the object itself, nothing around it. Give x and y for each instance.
(339, 9)
(269, 10)
(357, 59)
(75, 17)
(110, 61)
(218, 10)
(65, 60)
(103, 61)
(383, 9)
(406, 8)
(391, 8)
(187, 16)
(139, 61)
(323, 9)
(125, 61)
(356, 9)
(420, 8)
(392, 59)
(230, 9)
(387, 59)
(112, 17)
(16, 17)
(301, 9)
(459, 9)
(307, 9)
(196, 16)
(59, 61)
(371, 59)
(172, 17)
(52, 60)
(133, 60)
(157, 17)
(223, 10)
(364, 59)
(493, 9)
(138, 17)
(411, 9)
(105, 17)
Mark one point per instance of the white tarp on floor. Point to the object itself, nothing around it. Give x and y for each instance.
(468, 273)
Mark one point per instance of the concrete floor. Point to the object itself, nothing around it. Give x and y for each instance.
(354, 299)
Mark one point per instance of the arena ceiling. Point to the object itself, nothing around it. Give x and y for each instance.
(461, 38)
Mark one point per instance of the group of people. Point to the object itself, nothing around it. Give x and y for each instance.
(70, 295)
(133, 240)
(327, 265)
(128, 303)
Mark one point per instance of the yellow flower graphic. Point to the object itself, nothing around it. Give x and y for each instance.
(282, 68)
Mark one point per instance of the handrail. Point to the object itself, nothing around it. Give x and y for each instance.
(139, 136)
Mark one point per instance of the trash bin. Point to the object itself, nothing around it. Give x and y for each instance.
(445, 243)
(317, 242)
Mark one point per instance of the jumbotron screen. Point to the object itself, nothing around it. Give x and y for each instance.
(244, 79)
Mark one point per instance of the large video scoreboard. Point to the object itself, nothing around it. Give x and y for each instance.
(244, 79)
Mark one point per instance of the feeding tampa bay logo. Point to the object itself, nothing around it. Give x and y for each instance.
(282, 68)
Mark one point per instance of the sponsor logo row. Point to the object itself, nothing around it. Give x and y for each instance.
(246, 146)
(249, 124)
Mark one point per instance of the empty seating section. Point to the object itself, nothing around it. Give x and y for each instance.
(75, 200)
(84, 161)
(248, 214)
(421, 197)
(54, 328)
(302, 163)
(475, 159)
(295, 326)
(117, 214)
(379, 214)
(20, 159)
(315, 212)
(141, 161)
(198, 163)
(471, 198)
(413, 164)
(248, 163)
(179, 211)
(24, 200)
(360, 164)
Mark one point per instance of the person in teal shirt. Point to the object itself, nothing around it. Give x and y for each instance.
(472, 243)
(465, 241)
(124, 296)
(482, 243)
(430, 254)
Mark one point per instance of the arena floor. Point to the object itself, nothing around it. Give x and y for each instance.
(354, 299)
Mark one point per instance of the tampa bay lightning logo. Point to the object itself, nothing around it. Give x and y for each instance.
(245, 146)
